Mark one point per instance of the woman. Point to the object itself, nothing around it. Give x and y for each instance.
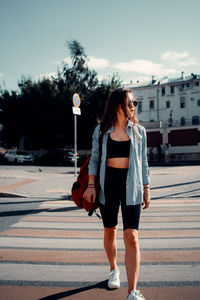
(124, 180)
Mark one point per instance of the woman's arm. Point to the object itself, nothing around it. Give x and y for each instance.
(90, 193)
(94, 159)
(145, 165)
(145, 173)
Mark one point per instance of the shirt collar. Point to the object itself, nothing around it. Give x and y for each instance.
(129, 124)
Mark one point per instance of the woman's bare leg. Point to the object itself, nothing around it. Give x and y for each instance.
(110, 245)
(132, 257)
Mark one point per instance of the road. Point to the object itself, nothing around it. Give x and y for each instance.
(51, 250)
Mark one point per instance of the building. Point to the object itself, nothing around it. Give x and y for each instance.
(170, 112)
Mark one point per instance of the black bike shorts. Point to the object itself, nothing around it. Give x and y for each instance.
(115, 195)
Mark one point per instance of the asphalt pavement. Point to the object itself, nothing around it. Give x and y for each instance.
(49, 249)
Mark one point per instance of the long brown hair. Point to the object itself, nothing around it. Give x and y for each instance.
(116, 98)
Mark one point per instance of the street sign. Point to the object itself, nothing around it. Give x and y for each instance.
(76, 100)
(76, 110)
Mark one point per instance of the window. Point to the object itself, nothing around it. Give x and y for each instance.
(172, 89)
(198, 102)
(195, 120)
(187, 85)
(163, 91)
(139, 107)
(151, 104)
(167, 104)
(196, 83)
(182, 121)
(182, 102)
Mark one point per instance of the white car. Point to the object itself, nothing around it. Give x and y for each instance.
(19, 157)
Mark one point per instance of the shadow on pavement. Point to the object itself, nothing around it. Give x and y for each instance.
(35, 201)
(35, 211)
(174, 185)
(99, 285)
(177, 194)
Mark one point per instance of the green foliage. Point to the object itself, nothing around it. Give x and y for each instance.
(42, 110)
(78, 78)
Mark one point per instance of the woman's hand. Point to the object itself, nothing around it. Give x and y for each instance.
(90, 194)
(146, 198)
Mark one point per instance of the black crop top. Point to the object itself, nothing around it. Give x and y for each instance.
(117, 148)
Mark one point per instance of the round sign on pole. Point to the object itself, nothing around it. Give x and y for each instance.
(76, 100)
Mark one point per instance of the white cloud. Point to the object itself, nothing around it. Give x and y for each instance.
(97, 63)
(174, 56)
(1, 74)
(101, 77)
(67, 60)
(93, 62)
(170, 63)
(143, 66)
(182, 59)
(47, 75)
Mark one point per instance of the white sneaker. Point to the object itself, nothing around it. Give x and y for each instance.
(135, 295)
(113, 281)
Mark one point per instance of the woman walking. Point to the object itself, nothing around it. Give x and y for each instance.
(124, 181)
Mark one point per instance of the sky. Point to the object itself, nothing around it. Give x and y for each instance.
(134, 38)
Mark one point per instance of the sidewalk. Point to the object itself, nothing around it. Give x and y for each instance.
(33, 181)
(56, 182)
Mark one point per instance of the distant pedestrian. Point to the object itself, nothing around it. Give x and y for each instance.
(151, 155)
(124, 180)
(160, 154)
(166, 153)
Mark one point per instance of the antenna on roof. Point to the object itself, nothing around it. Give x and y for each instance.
(153, 80)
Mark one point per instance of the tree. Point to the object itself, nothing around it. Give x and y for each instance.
(41, 113)
(79, 78)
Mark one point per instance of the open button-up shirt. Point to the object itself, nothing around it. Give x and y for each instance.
(138, 171)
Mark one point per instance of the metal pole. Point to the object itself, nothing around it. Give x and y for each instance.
(158, 105)
(75, 145)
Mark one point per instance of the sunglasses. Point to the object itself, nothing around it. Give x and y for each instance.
(130, 103)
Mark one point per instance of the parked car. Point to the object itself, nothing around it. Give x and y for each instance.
(18, 157)
(57, 157)
(1, 157)
(70, 157)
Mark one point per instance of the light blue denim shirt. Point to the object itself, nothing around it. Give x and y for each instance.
(138, 172)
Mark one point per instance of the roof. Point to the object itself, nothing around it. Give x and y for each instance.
(165, 80)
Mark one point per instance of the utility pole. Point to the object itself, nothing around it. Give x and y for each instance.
(157, 96)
